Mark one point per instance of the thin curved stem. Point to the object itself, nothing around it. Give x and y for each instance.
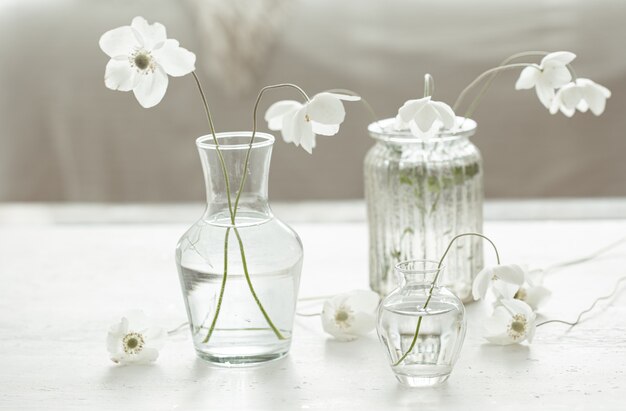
(254, 295)
(217, 145)
(365, 103)
(222, 289)
(586, 258)
(485, 74)
(429, 85)
(432, 287)
(591, 307)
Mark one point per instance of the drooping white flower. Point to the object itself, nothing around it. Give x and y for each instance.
(533, 295)
(142, 57)
(299, 123)
(513, 321)
(424, 115)
(348, 316)
(582, 95)
(135, 339)
(504, 279)
(551, 74)
(530, 291)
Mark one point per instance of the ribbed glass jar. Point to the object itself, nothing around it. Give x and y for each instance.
(420, 194)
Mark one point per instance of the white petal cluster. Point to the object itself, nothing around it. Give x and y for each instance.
(552, 81)
(299, 123)
(134, 339)
(142, 57)
(424, 116)
(351, 315)
(517, 296)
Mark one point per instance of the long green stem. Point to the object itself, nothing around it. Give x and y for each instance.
(256, 298)
(222, 288)
(432, 287)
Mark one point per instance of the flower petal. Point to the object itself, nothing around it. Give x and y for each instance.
(495, 327)
(151, 88)
(119, 75)
(595, 95)
(276, 113)
(446, 114)
(325, 108)
(527, 78)
(510, 273)
(146, 355)
(536, 296)
(325, 129)
(556, 77)
(175, 60)
(150, 34)
(557, 58)
(517, 307)
(425, 118)
(481, 283)
(545, 94)
(119, 42)
(363, 300)
(345, 97)
(409, 109)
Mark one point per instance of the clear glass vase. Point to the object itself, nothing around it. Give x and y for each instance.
(420, 194)
(427, 357)
(239, 281)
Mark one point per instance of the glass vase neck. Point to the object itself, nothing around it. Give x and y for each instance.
(235, 149)
(418, 272)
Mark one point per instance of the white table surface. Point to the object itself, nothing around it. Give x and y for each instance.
(63, 284)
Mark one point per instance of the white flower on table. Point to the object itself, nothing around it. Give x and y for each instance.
(530, 291)
(348, 316)
(141, 58)
(135, 339)
(512, 322)
(551, 74)
(424, 115)
(299, 123)
(582, 95)
(505, 280)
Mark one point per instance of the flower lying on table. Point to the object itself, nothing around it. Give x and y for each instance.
(351, 315)
(134, 339)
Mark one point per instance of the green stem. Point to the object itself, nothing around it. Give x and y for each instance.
(429, 85)
(256, 298)
(222, 288)
(432, 287)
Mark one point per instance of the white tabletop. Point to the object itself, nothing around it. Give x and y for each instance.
(63, 284)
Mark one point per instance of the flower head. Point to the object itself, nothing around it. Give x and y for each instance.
(299, 123)
(141, 59)
(134, 339)
(348, 316)
(551, 74)
(582, 95)
(424, 115)
(513, 321)
(504, 279)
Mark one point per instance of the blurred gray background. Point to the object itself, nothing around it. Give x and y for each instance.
(65, 137)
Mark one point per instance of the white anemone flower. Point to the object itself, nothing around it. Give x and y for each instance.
(551, 74)
(424, 115)
(141, 59)
(299, 123)
(513, 321)
(530, 291)
(502, 278)
(134, 339)
(351, 315)
(582, 95)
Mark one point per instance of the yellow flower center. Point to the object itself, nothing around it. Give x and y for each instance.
(517, 327)
(342, 317)
(142, 60)
(521, 294)
(133, 343)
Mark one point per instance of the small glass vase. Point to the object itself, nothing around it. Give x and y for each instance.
(418, 301)
(240, 298)
(420, 193)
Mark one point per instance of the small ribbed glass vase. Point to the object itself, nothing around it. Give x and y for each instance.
(420, 193)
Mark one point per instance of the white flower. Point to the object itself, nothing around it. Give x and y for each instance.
(299, 123)
(348, 316)
(512, 322)
(134, 339)
(502, 278)
(530, 291)
(533, 295)
(424, 115)
(582, 94)
(141, 58)
(551, 74)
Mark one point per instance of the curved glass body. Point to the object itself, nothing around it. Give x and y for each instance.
(240, 297)
(427, 359)
(420, 194)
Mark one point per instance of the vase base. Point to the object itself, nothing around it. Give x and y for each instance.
(240, 361)
(422, 381)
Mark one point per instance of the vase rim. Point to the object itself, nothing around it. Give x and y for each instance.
(260, 140)
(384, 130)
(408, 266)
